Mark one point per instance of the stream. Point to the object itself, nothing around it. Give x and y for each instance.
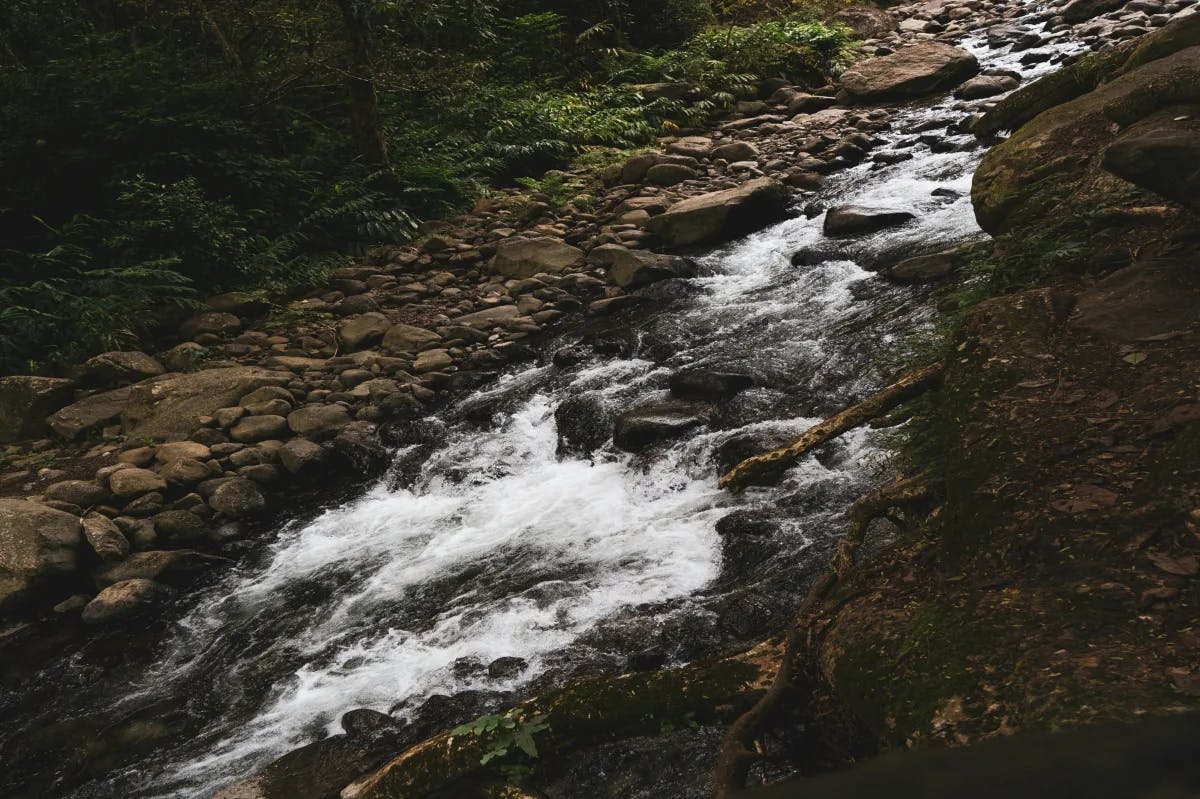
(485, 541)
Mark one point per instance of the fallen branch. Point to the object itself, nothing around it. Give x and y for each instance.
(579, 715)
(767, 468)
(737, 751)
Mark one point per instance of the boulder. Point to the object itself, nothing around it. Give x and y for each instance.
(318, 421)
(736, 151)
(367, 328)
(635, 430)
(38, 541)
(118, 368)
(173, 567)
(105, 537)
(1082, 10)
(489, 318)
(670, 174)
(89, 413)
(721, 216)
(925, 268)
(26, 401)
(237, 498)
(81, 493)
(708, 386)
(360, 445)
(521, 258)
(170, 407)
(913, 71)
(181, 528)
(584, 422)
(165, 453)
(852, 220)
(986, 86)
(400, 339)
(125, 600)
(866, 22)
(301, 455)
(213, 323)
(252, 429)
(1164, 159)
(632, 269)
(130, 483)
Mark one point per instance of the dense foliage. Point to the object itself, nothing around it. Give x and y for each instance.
(155, 153)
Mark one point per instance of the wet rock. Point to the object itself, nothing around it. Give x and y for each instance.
(169, 408)
(722, 215)
(359, 443)
(170, 567)
(506, 668)
(747, 539)
(118, 368)
(585, 423)
(851, 220)
(105, 537)
(913, 71)
(318, 421)
(81, 493)
(439, 712)
(986, 86)
(37, 541)
(125, 601)
(26, 401)
(635, 430)
(707, 385)
(317, 771)
(131, 483)
(520, 258)
(237, 498)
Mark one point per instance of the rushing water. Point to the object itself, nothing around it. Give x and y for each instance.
(504, 547)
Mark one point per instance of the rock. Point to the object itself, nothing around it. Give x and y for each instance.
(866, 22)
(736, 151)
(118, 368)
(105, 537)
(489, 318)
(89, 413)
(913, 71)
(1165, 160)
(1082, 10)
(634, 170)
(635, 268)
(215, 323)
(670, 174)
(507, 668)
(584, 422)
(252, 429)
(400, 339)
(708, 386)
(301, 455)
(38, 541)
(804, 103)
(432, 361)
(635, 430)
(697, 147)
(169, 408)
(82, 493)
(521, 258)
(237, 498)
(986, 86)
(925, 268)
(318, 421)
(181, 528)
(130, 483)
(184, 472)
(186, 357)
(851, 220)
(175, 567)
(320, 769)
(359, 443)
(357, 331)
(165, 453)
(26, 401)
(125, 600)
(723, 215)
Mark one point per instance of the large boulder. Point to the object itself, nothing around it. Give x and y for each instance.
(723, 215)
(26, 401)
(90, 413)
(521, 258)
(170, 407)
(1162, 158)
(1056, 163)
(119, 368)
(913, 71)
(38, 541)
(635, 430)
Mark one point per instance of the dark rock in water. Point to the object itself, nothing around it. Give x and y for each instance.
(367, 723)
(506, 668)
(638, 429)
(744, 445)
(570, 356)
(585, 423)
(319, 770)
(1082, 10)
(986, 86)
(709, 386)
(648, 660)
(361, 447)
(1165, 161)
(850, 220)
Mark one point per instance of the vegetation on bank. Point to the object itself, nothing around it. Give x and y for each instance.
(157, 153)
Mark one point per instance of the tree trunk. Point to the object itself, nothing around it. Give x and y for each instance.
(364, 101)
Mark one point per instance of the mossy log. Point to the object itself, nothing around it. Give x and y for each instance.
(583, 714)
(768, 467)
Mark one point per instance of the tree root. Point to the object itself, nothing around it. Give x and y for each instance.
(767, 468)
(737, 753)
(580, 715)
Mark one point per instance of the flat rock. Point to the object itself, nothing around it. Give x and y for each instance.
(124, 601)
(521, 258)
(913, 71)
(170, 407)
(90, 413)
(722, 215)
(400, 339)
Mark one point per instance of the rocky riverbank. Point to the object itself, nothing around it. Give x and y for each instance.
(187, 448)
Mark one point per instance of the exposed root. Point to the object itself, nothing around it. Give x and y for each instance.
(738, 752)
(766, 468)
